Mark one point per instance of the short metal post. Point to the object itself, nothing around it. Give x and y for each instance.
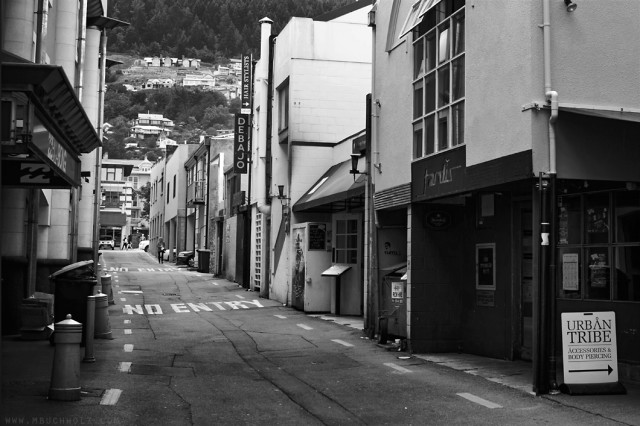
(89, 330)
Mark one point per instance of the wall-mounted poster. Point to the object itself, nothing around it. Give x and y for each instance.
(486, 266)
(570, 272)
(317, 236)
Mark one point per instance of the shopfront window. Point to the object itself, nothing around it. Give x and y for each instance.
(599, 246)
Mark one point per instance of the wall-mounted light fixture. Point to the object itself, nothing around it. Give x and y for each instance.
(571, 6)
(354, 166)
(281, 195)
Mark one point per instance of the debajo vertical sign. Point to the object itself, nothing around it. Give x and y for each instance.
(241, 143)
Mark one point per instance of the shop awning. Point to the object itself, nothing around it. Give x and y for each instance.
(398, 268)
(334, 191)
(113, 219)
(54, 97)
(615, 114)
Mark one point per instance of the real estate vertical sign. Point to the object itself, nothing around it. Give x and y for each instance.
(247, 81)
(241, 143)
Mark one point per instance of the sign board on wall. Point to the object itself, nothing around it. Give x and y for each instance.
(241, 154)
(247, 82)
(397, 291)
(486, 266)
(317, 236)
(589, 349)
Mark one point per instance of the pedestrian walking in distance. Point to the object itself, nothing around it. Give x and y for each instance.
(160, 248)
(124, 243)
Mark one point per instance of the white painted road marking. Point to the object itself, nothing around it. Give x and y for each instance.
(342, 342)
(111, 397)
(128, 348)
(479, 400)
(280, 316)
(124, 367)
(122, 299)
(127, 331)
(397, 367)
(215, 283)
(127, 321)
(131, 292)
(239, 297)
(306, 327)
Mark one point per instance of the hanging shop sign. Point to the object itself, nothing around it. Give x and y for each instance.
(247, 83)
(241, 154)
(589, 348)
(51, 166)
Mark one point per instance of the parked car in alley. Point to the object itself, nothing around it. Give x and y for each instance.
(185, 258)
(144, 245)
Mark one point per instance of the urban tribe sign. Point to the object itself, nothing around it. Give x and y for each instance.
(589, 347)
(241, 144)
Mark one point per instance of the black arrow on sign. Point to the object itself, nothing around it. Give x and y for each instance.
(609, 369)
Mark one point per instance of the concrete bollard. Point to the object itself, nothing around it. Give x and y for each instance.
(65, 376)
(106, 288)
(102, 326)
(89, 330)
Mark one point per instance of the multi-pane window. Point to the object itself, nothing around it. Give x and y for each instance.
(283, 107)
(599, 246)
(438, 77)
(346, 248)
(112, 174)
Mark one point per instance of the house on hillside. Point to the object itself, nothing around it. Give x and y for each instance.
(150, 125)
(199, 80)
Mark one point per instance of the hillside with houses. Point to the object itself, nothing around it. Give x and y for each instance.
(144, 94)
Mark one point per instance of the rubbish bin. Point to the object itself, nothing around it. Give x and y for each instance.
(72, 285)
(203, 260)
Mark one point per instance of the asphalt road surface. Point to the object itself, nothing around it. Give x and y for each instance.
(189, 349)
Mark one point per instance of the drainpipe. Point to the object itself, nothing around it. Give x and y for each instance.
(83, 44)
(264, 78)
(97, 190)
(547, 186)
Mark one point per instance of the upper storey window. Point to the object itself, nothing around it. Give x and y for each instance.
(438, 75)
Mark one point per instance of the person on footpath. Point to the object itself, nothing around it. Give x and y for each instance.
(160, 248)
(124, 244)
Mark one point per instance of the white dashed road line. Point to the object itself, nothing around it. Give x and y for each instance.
(280, 316)
(397, 367)
(239, 297)
(131, 292)
(128, 347)
(127, 331)
(342, 342)
(122, 299)
(306, 327)
(127, 321)
(110, 397)
(478, 400)
(124, 367)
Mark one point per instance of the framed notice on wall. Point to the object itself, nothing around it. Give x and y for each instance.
(486, 266)
(317, 236)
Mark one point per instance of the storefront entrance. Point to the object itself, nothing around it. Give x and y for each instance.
(347, 250)
(524, 279)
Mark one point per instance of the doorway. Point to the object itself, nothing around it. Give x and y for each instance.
(347, 250)
(523, 244)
